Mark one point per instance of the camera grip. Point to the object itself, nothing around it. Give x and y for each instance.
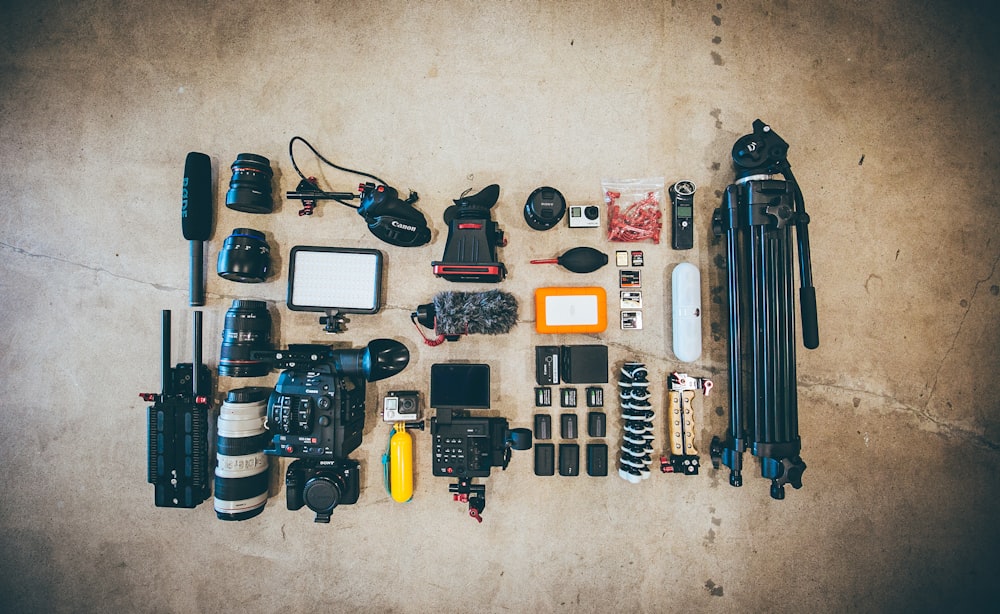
(810, 328)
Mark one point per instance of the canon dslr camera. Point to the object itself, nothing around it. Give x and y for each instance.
(316, 414)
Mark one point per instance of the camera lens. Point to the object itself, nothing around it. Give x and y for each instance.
(241, 473)
(250, 186)
(247, 328)
(245, 257)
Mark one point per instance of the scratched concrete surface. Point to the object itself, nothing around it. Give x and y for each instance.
(890, 110)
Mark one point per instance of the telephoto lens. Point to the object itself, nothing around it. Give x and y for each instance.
(250, 186)
(241, 472)
(245, 257)
(247, 329)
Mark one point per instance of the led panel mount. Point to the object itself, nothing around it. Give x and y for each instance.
(334, 280)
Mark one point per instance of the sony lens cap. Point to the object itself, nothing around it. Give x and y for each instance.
(545, 207)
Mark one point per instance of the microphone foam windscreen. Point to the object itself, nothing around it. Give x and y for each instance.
(488, 313)
(196, 199)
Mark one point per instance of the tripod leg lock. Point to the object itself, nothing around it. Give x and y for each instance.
(782, 471)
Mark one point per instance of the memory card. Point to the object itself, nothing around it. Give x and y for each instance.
(631, 320)
(631, 299)
(629, 279)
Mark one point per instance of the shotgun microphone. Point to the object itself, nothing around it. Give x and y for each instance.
(196, 218)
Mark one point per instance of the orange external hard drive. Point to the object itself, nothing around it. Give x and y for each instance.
(571, 310)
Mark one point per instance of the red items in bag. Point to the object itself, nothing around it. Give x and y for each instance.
(634, 209)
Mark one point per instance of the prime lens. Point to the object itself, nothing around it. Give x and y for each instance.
(245, 256)
(250, 185)
(247, 328)
(241, 473)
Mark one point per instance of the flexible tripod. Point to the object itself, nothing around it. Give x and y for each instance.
(757, 215)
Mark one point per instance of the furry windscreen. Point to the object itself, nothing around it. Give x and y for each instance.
(487, 313)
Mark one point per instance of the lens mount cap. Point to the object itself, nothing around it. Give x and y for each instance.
(321, 494)
(544, 208)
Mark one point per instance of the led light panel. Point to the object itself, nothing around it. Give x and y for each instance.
(334, 278)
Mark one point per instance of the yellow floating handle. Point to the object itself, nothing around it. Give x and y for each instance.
(401, 464)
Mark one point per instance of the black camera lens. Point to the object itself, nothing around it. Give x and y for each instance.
(245, 257)
(247, 329)
(250, 186)
(241, 473)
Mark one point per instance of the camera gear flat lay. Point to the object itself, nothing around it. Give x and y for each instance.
(315, 414)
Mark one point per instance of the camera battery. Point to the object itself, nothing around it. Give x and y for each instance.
(597, 459)
(631, 320)
(543, 396)
(568, 427)
(629, 278)
(567, 397)
(545, 459)
(597, 424)
(543, 426)
(585, 364)
(569, 459)
(595, 396)
(546, 365)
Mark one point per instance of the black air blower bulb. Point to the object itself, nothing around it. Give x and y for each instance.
(578, 260)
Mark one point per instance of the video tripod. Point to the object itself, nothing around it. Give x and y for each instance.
(757, 215)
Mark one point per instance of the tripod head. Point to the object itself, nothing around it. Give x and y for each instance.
(762, 152)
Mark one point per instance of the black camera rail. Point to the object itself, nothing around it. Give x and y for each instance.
(177, 426)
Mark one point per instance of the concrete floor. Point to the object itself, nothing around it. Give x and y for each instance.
(890, 111)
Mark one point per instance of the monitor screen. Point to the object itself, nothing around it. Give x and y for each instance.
(460, 386)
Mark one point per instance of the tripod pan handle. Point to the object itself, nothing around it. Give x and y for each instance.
(810, 329)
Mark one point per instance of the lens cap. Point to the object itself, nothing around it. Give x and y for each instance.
(544, 208)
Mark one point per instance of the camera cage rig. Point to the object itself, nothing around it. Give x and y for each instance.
(456, 437)
(757, 214)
